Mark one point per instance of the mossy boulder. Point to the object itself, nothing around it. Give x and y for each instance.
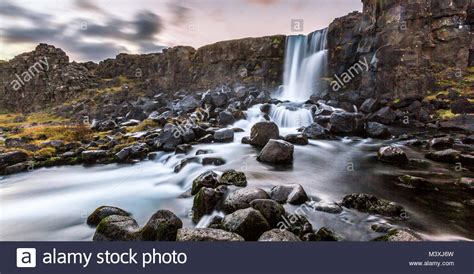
(162, 226)
(233, 177)
(104, 211)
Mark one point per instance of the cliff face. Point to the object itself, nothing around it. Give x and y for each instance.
(250, 62)
(412, 45)
(253, 61)
(41, 78)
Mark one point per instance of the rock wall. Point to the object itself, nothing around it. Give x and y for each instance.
(249, 61)
(41, 78)
(412, 45)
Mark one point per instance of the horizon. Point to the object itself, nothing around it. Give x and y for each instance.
(95, 31)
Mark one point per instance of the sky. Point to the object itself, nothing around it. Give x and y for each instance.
(93, 30)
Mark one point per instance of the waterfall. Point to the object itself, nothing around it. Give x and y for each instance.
(305, 64)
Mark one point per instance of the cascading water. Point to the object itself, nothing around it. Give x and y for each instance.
(305, 65)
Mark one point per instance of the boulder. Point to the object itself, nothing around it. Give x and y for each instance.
(233, 177)
(117, 228)
(162, 226)
(169, 138)
(399, 235)
(225, 135)
(277, 152)
(262, 132)
(205, 201)
(441, 143)
(298, 224)
(392, 154)
(384, 115)
(187, 104)
(206, 235)
(416, 182)
(292, 194)
(369, 105)
(104, 211)
(248, 223)
(271, 210)
(93, 155)
(278, 235)
(326, 234)
(315, 131)
(297, 139)
(241, 198)
(377, 130)
(136, 151)
(216, 161)
(13, 157)
(225, 118)
(207, 179)
(445, 156)
(373, 205)
(344, 123)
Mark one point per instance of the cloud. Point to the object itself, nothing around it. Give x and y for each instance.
(87, 5)
(181, 14)
(76, 36)
(263, 2)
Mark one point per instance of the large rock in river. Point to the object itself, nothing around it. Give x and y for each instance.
(248, 223)
(205, 201)
(117, 228)
(206, 235)
(293, 194)
(392, 154)
(271, 210)
(104, 211)
(277, 152)
(241, 198)
(162, 226)
(278, 235)
(262, 132)
(371, 204)
(206, 179)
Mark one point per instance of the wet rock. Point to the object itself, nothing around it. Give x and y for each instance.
(206, 235)
(233, 177)
(328, 207)
(315, 131)
(326, 234)
(209, 138)
(416, 182)
(392, 154)
(130, 123)
(162, 226)
(369, 105)
(93, 155)
(271, 210)
(225, 135)
(20, 167)
(104, 211)
(277, 152)
(344, 123)
(225, 118)
(445, 156)
(169, 139)
(203, 151)
(136, 151)
(384, 115)
(183, 149)
(441, 143)
(207, 179)
(377, 130)
(205, 201)
(399, 235)
(469, 140)
(13, 157)
(187, 104)
(15, 142)
(292, 194)
(278, 235)
(466, 182)
(262, 132)
(467, 159)
(213, 161)
(297, 139)
(248, 223)
(298, 224)
(242, 198)
(373, 205)
(184, 162)
(117, 228)
(381, 227)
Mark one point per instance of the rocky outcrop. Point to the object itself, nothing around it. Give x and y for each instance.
(412, 46)
(250, 60)
(44, 77)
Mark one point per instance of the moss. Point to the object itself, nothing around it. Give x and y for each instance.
(55, 132)
(396, 101)
(144, 125)
(46, 152)
(387, 236)
(446, 114)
